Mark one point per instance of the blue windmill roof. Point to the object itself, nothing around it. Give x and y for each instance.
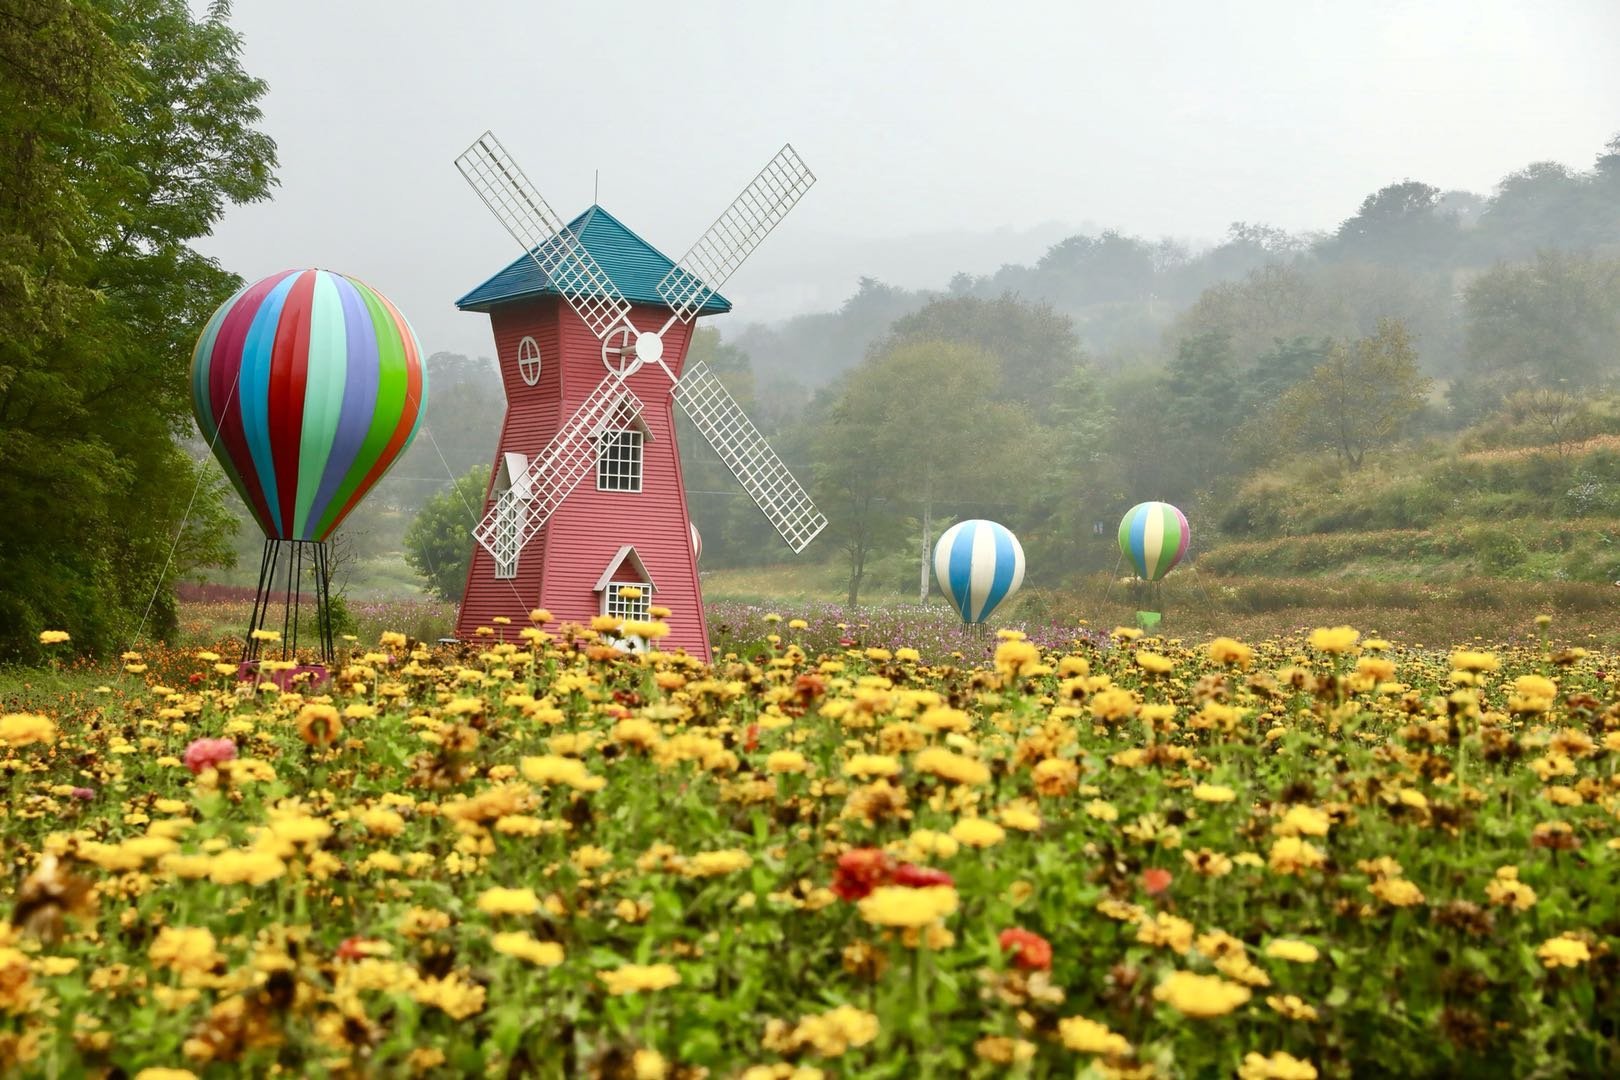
(635, 266)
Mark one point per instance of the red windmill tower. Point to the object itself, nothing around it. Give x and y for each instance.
(586, 510)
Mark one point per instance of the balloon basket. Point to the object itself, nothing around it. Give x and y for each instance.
(1148, 620)
(300, 678)
(282, 610)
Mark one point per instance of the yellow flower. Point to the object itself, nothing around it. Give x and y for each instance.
(499, 901)
(1506, 890)
(1200, 996)
(977, 832)
(893, 905)
(1279, 1066)
(717, 863)
(319, 725)
(53, 637)
(1110, 705)
(1333, 640)
(868, 765)
(185, 949)
(786, 761)
(554, 769)
(1291, 855)
(1215, 793)
(635, 978)
(1397, 892)
(21, 729)
(1474, 661)
(1225, 650)
(1300, 952)
(1154, 664)
(1565, 950)
(525, 947)
(953, 767)
(1021, 815)
(165, 1074)
(382, 822)
(1085, 1036)
(1304, 821)
(1102, 811)
(1167, 930)
(1292, 1007)
(1014, 658)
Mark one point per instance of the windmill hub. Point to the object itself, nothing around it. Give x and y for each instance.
(649, 347)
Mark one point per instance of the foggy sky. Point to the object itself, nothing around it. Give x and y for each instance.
(947, 135)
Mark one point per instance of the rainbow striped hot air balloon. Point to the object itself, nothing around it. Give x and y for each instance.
(978, 564)
(308, 385)
(1153, 536)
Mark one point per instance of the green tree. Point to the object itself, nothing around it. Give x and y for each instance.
(439, 540)
(129, 126)
(922, 418)
(1554, 322)
(1033, 346)
(1359, 399)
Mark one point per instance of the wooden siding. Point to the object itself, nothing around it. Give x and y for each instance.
(559, 568)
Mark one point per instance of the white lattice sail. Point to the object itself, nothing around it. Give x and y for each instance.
(519, 207)
(749, 457)
(556, 471)
(733, 237)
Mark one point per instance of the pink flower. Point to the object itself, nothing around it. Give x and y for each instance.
(209, 754)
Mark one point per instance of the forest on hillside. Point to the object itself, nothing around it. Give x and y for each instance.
(1119, 368)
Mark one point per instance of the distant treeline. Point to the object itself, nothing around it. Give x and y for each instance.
(1116, 368)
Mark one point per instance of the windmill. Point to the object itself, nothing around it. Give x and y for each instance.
(591, 327)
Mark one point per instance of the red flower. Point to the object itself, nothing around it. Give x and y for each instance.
(921, 877)
(208, 754)
(1029, 950)
(751, 738)
(352, 948)
(1155, 880)
(860, 871)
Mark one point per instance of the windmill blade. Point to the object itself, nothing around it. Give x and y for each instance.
(749, 457)
(736, 233)
(490, 171)
(556, 471)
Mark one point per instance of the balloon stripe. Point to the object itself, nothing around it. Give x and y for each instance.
(323, 400)
(1004, 565)
(1169, 538)
(1153, 540)
(254, 394)
(226, 395)
(961, 572)
(359, 399)
(1139, 542)
(288, 378)
(391, 389)
(1186, 536)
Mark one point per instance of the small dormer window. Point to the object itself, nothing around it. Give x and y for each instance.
(625, 587)
(628, 600)
(618, 460)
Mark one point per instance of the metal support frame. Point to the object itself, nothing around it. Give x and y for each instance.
(291, 555)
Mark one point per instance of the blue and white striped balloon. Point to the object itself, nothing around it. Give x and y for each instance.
(978, 565)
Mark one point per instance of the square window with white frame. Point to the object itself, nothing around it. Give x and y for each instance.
(627, 600)
(618, 461)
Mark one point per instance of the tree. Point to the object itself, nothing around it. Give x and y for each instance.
(129, 127)
(1359, 399)
(1033, 345)
(1400, 224)
(1554, 322)
(439, 541)
(922, 421)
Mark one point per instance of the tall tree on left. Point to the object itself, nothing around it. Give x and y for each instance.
(129, 127)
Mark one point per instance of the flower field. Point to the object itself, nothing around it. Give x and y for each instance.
(1109, 856)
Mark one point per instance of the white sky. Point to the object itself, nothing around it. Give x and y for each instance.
(946, 135)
